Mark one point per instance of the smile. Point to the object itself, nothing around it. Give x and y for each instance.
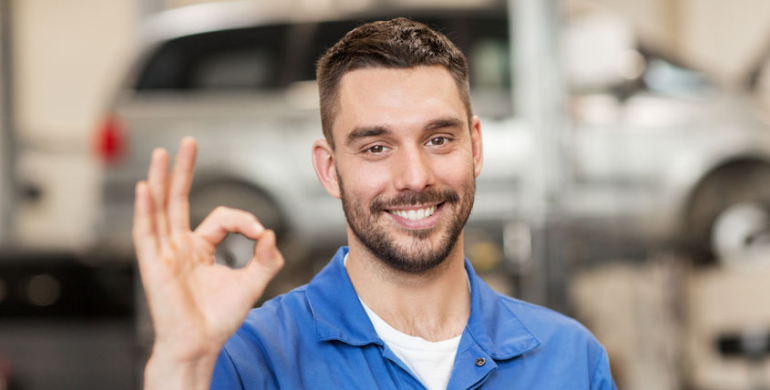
(415, 214)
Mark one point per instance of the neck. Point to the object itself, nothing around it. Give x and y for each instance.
(434, 305)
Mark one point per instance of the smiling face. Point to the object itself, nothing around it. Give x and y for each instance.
(404, 164)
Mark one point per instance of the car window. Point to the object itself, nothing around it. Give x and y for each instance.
(258, 57)
(248, 58)
(322, 36)
(488, 52)
(483, 38)
(667, 78)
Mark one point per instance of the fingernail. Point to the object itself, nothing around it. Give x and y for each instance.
(258, 227)
(156, 153)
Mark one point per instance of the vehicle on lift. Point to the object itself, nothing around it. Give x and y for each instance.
(239, 77)
(669, 158)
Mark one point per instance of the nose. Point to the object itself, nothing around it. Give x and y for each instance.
(414, 172)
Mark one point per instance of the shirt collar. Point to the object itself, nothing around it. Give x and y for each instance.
(493, 325)
(338, 314)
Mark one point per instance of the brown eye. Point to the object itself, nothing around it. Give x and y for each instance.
(376, 149)
(437, 141)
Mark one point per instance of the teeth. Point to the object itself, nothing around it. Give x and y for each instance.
(415, 215)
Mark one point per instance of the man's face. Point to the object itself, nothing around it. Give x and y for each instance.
(406, 163)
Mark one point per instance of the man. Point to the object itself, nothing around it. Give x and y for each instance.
(400, 308)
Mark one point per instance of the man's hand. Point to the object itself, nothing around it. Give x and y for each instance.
(195, 304)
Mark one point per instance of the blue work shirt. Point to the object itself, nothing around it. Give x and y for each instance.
(319, 337)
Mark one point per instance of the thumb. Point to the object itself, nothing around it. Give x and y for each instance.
(267, 260)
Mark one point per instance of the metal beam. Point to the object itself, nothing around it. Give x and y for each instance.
(7, 131)
(540, 100)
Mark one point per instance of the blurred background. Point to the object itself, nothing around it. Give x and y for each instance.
(626, 179)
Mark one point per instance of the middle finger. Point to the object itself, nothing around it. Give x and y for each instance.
(181, 178)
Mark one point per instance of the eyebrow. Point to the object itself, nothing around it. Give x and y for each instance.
(364, 132)
(441, 123)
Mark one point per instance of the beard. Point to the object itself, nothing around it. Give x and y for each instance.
(423, 249)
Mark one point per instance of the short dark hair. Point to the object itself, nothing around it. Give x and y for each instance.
(397, 43)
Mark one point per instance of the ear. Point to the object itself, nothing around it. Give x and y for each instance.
(323, 162)
(476, 144)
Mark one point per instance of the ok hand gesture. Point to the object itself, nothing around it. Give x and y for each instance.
(195, 304)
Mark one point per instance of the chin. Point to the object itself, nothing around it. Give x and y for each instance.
(420, 255)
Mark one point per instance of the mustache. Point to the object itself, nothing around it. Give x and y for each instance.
(413, 198)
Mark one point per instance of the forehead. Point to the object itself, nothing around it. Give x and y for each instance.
(398, 98)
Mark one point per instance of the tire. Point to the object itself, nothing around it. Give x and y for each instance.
(726, 214)
(740, 236)
(236, 250)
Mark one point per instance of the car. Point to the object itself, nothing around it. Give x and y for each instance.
(239, 77)
(661, 162)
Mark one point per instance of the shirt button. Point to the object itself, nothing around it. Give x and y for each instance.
(480, 362)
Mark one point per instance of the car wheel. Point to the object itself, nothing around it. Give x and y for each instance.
(236, 250)
(741, 235)
(727, 220)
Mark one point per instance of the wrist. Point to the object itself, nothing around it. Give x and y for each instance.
(167, 371)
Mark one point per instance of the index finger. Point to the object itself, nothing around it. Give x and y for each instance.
(181, 179)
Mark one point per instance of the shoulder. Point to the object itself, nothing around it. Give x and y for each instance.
(278, 324)
(266, 340)
(551, 327)
(538, 346)
(539, 316)
(281, 317)
(565, 345)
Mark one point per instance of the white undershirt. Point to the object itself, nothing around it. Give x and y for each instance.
(431, 362)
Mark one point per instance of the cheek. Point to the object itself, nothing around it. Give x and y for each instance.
(457, 171)
(458, 179)
(365, 181)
